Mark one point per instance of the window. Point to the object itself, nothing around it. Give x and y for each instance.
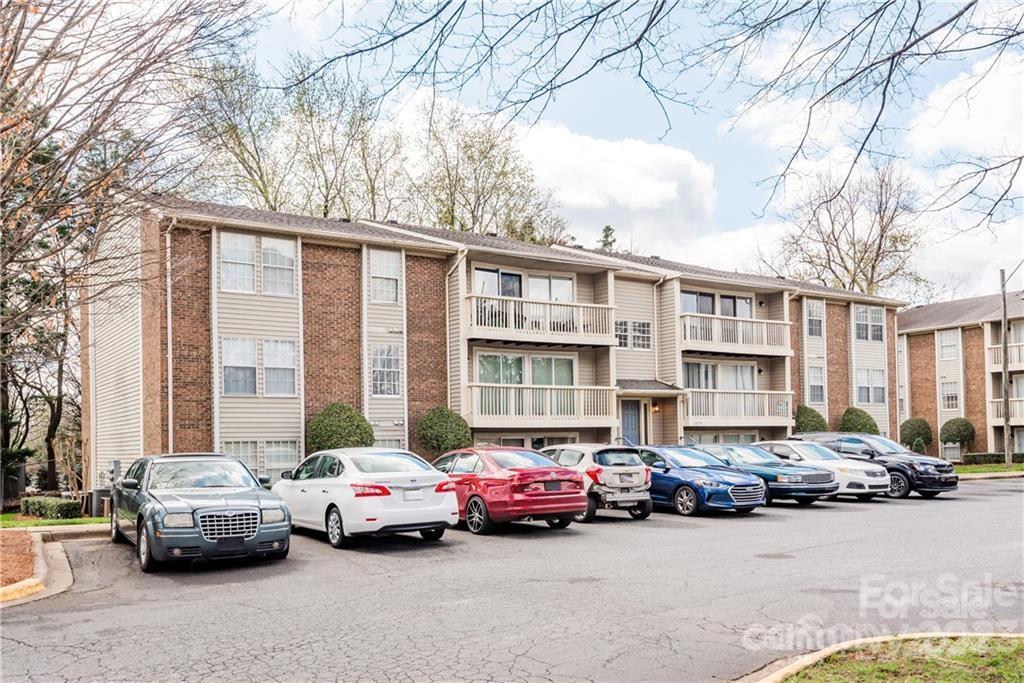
(278, 368)
(490, 282)
(307, 469)
(386, 372)
(870, 386)
(641, 335)
(551, 370)
(239, 366)
(385, 272)
(816, 384)
(949, 344)
(237, 262)
(280, 456)
(738, 438)
(815, 317)
(701, 375)
(550, 288)
(878, 386)
(622, 333)
(388, 443)
(869, 323)
(329, 467)
(737, 306)
(698, 302)
(467, 464)
(951, 451)
(246, 451)
(569, 457)
(517, 441)
(278, 265)
(950, 392)
(499, 369)
(445, 464)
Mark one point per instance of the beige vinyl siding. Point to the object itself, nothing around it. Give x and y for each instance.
(950, 370)
(815, 354)
(603, 367)
(869, 355)
(667, 333)
(116, 358)
(603, 287)
(385, 324)
(456, 339)
(259, 317)
(774, 306)
(635, 300)
(585, 288)
(777, 375)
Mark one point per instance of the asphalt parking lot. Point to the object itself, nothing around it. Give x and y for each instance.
(663, 599)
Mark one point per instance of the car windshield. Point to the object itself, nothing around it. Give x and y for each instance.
(506, 459)
(384, 463)
(617, 458)
(685, 457)
(883, 445)
(201, 474)
(814, 451)
(752, 455)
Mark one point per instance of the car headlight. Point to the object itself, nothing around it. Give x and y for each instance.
(845, 470)
(927, 469)
(180, 520)
(789, 478)
(273, 515)
(707, 484)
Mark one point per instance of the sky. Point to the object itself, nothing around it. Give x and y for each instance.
(698, 191)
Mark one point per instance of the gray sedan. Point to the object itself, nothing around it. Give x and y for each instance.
(196, 506)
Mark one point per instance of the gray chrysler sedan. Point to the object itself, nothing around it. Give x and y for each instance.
(196, 506)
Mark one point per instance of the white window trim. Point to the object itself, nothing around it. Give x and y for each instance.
(527, 364)
(294, 368)
(808, 317)
(943, 395)
(255, 263)
(294, 267)
(869, 308)
(824, 389)
(255, 366)
(630, 345)
(871, 386)
(956, 344)
(718, 373)
(524, 274)
(400, 396)
(399, 298)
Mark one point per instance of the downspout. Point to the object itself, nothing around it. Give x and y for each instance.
(170, 353)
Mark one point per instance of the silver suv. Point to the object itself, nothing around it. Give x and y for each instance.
(614, 477)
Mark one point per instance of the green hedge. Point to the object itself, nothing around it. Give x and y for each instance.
(856, 420)
(809, 420)
(913, 429)
(441, 430)
(338, 426)
(51, 508)
(990, 458)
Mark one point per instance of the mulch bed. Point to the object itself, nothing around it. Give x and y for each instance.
(17, 560)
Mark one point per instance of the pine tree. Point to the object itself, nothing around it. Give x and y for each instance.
(607, 241)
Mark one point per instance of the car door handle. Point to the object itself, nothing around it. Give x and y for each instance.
(323, 490)
(302, 490)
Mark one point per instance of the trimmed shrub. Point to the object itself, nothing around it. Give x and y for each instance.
(809, 420)
(442, 430)
(338, 426)
(51, 508)
(856, 420)
(990, 458)
(918, 446)
(916, 428)
(959, 430)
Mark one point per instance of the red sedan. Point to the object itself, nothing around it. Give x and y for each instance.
(496, 484)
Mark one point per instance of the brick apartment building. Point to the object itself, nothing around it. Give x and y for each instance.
(246, 322)
(949, 359)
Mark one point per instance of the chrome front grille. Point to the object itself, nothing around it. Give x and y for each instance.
(818, 478)
(944, 469)
(216, 525)
(877, 473)
(747, 495)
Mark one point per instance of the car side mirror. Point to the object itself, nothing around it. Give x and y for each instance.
(660, 464)
(130, 483)
(287, 474)
(868, 452)
(264, 479)
(795, 456)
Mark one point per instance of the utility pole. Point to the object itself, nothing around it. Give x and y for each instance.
(1007, 450)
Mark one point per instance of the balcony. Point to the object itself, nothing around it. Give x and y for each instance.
(520, 406)
(995, 409)
(1014, 353)
(713, 408)
(504, 318)
(724, 334)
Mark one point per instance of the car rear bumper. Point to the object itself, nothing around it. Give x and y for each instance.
(374, 519)
(522, 507)
(779, 490)
(190, 544)
(621, 498)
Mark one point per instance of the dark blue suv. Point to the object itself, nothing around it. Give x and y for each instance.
(691, 481)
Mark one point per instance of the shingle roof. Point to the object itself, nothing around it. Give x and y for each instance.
(645, 385)
(960, 312)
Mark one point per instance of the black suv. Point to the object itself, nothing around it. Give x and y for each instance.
(908, 471)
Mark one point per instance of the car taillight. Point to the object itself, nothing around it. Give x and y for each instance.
(595, 474)
(447, 486)
(368, 490)
(647, 477)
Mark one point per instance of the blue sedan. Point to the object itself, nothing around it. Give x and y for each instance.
(691, 481)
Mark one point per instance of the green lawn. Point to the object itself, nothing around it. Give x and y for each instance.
(974, 469)
(10, 519)
(958, 660)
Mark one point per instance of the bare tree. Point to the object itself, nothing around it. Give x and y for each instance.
(862, 240)
(875, 56)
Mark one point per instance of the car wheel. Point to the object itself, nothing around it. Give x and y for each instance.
(685, 501)
(744, 511)
(144, 551)
(768, 495)
(642, 510)
(559, 523)
(589, 514)
(899, 485)
(432, 534)
(115, 533)
(336, 529)
(806, 501)
(929, 494)
(866, 497)
(477, 518)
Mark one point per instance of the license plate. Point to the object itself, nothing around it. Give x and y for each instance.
(231, 543)
(552, 486)
(626, 478)
(413, 494)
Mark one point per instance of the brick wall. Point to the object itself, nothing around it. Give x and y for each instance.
(796, 336)
(154, 336)
(893, 378)
(427, 347)
(974, 385)
(837, 327)
(191, 343)
(921, 374)
(331, 326)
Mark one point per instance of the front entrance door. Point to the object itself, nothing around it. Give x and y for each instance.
(631, 422)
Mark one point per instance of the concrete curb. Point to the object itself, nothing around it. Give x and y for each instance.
(34, 583)
(67, 532)
(804, 661)
(978, 476)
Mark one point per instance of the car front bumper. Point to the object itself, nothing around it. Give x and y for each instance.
(939, 482)
(723, 500)
(779, 490)
(190, 544)
(856, 485)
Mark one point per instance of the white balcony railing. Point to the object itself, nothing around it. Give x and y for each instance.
(718, 332)
(724, 408)
(1016, 410)
(522, 405)
(502, 317)
(1014, 353)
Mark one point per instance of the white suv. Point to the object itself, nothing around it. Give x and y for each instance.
(614, 477)
(856, 477)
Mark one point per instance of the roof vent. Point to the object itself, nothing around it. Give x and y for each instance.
(656, 258)
(780, 277)
(491, 233)
(577, 246)
(392, 221)
(346, 220)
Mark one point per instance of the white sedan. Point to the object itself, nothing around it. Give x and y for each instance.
(856, 477)
(351, 492)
